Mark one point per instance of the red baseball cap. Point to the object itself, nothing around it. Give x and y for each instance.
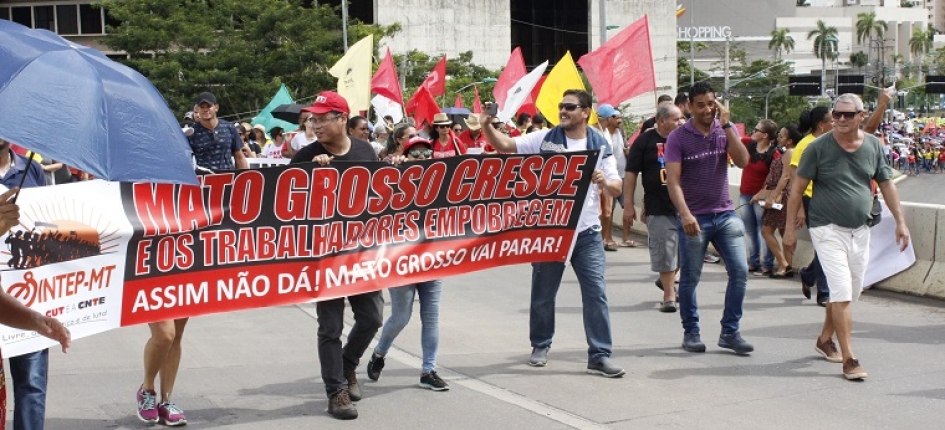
(414, 141)
(328, 101)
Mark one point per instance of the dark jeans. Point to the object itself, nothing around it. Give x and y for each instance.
(368, 311)
(813, 273)
(29, 372)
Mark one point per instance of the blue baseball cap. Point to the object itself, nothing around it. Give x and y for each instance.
(607, 111)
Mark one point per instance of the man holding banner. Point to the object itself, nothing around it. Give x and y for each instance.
(572, 134)
(329, 117)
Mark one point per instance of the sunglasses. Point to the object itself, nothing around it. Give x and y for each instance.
(443, 126)
(847, 115)
(409, 136)
(569, 106)
(416, 153)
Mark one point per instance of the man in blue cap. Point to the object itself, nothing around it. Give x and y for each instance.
(609, 123)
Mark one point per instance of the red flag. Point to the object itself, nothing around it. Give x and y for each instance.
(477, 104)
(513, 71)
(459, 101)
(436, 80)
(385, 80)
(422, 106)
(623, 67)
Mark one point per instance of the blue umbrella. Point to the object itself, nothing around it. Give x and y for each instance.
(73, 104)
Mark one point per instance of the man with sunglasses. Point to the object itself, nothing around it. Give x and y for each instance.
(841, 164)
(587, 259)
(696, 156)
(338, 364)
(216, 143)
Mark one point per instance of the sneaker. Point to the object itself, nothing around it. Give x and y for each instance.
(171, 415)
(668, 307)
(829, 350)
(375, 366)
(735, 342)
(340, 406)
(605, 368)
(692, 342)
(539, 357)
(433, 381)
(709, 258)
(852, 369)
(147, 405)
(354, 388)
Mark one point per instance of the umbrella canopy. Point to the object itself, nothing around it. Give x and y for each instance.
(455, 111)
(73, 104)
(288, 112)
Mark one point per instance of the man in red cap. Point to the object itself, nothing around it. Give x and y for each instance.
(329, 116)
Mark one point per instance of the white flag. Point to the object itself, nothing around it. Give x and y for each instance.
(384, 106)
(516, 95)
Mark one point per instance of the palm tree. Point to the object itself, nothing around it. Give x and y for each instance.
(781, 40)
(825, 45)
(868, 26)
(920, 44)
(859, 60)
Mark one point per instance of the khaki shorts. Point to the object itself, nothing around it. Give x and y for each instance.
(843, 254)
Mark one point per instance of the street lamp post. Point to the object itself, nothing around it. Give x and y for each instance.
(488, 80)
(729, 85)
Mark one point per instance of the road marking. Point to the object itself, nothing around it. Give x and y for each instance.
(496, 392)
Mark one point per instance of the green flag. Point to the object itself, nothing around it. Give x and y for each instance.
(265, 118)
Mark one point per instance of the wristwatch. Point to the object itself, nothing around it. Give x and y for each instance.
(727, 125)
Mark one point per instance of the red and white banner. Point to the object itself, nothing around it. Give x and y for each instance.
(100, 255)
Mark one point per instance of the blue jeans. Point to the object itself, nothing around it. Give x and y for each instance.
(727, 233)
(401, 306)
(588, 262)
(751, 217)
(29, 372)
(813, 273)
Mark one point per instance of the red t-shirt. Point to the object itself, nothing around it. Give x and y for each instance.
(478, 142)
(755, 173)
(452, 148)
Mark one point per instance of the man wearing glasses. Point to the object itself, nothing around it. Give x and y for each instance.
(216, 143)
(338, 364)
(841, 164)
(571, 134)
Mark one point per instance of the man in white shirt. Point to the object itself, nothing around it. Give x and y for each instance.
(572, 134)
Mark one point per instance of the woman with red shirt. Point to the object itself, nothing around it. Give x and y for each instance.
(445, 144)
(763, 150)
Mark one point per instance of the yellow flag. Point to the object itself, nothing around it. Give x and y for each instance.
(354, 74)
(564, 76)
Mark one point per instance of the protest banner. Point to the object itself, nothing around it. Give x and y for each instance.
(100, 255)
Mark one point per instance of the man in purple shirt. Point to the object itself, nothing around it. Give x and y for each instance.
(697, 176)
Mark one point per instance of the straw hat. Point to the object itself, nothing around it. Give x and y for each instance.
(472, 122)
(441, 119)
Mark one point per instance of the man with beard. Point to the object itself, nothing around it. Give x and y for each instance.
(697, 176)
(338, 364)
(571, 134)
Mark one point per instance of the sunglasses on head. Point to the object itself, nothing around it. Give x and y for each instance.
(416, 153)
(847, 115)
(569, 106)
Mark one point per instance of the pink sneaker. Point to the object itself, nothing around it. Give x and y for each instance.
(147, 405)
(171, 415)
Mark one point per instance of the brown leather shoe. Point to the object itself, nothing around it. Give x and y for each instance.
(829, 350)
(340, 406)
(852, 369)
(354, 388)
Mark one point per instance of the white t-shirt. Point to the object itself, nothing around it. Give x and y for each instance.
(531, 144)
(300, 141)
(273, 151)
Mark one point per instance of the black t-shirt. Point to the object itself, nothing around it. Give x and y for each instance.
(359, 151)
(646, 156)
(648, 124)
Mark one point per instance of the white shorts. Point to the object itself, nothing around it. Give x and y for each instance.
(843, 254)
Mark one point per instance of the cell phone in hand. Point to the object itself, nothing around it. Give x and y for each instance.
(492, 109)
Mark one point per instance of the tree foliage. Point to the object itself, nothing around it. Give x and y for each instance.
(415, 66)
(781, 40)
(867, 27)
(240, 50)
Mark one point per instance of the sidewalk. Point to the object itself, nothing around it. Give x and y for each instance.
(259, 370)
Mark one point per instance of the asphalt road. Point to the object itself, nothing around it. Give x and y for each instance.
(925, 188)
(259, 370)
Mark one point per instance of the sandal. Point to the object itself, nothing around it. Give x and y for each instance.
(628, 244)
(610, 246)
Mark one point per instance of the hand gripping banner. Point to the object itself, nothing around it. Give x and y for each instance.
(100, 255)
